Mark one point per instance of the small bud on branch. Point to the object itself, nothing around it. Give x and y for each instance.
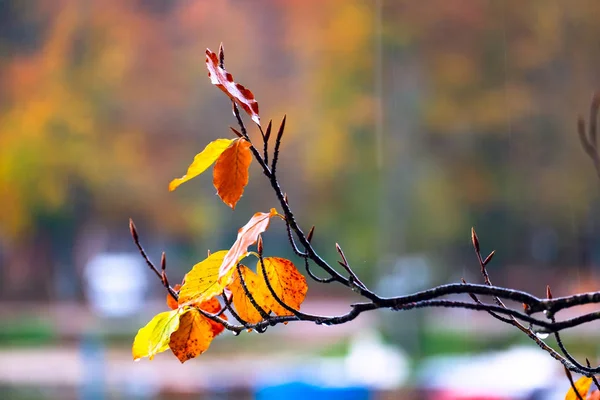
(238, 133)
(259, 245)
(221, 56)
(474, 240)
(133, 231)
(310, 234)
(489, 257)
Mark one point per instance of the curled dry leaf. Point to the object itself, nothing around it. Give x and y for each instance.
(202, 161)
(241, 302)
(193, 336)
(247, 236)
(230, 175)
(154, 337)
(583, 385)
(224, 81)
(285, 280)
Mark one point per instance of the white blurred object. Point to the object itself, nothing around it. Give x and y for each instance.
(116, 284)
(515, 373)
(372, 362)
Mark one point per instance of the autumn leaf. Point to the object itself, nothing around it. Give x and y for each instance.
(241, 302)
(193, 336)
(583, 386)
(202, 161)
(247, 236)
(289, 284)
(213, 306)
(154, 337)
(203, 282)
(230, 175)
(224, 81)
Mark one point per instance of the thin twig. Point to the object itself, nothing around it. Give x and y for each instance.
(594, 379)
(277, 145)
(258, 308)
(512, 320)
(136, 240)
(238, 117)
(266, 136)
(312, 274)
(293, 242)
(352, 278)
(572, 382)
(229, 308)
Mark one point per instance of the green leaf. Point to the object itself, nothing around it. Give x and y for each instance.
(154, 337)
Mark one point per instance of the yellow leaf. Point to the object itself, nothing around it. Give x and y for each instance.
(230, 175)
(193, 336)
(154, 337)
(289, 284)
(202, 161)
(203, 282)
(583, 386)
(259, 292)
(247, 236)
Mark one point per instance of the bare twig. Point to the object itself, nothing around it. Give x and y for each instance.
(293, 242)
(352, 277)
(594, 379)
(136, 240)
(572, 382)
(312, 274)
(266, 136)
(277, 145)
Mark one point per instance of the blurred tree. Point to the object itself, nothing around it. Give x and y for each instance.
(413, 121)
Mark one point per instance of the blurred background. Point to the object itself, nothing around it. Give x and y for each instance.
(408, 123)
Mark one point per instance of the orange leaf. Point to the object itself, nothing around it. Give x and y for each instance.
(583, 386)
(224, 81)
(289, 284)
(193, 336)
(230, 174)
(213, 306)
(259, 292)
(202, 161)
(247, 236)
(171, 302)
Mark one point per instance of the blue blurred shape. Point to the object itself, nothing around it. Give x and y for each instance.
(301, 390)
(92, 385)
